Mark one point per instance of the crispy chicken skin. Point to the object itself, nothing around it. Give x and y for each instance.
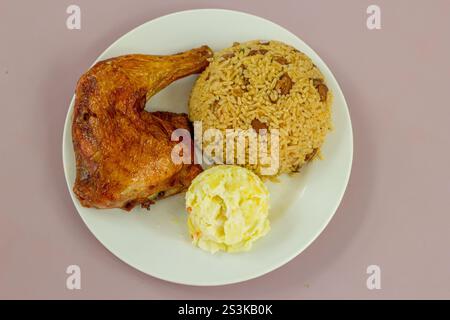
(123, 153)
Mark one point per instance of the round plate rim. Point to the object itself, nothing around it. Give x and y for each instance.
(274, 266)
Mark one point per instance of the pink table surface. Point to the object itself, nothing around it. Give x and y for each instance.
(395, 213)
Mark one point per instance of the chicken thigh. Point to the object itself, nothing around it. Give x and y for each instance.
(123, 153)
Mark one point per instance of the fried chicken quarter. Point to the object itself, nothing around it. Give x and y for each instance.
(123, 153)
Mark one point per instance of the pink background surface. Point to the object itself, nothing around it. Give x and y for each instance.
(395, 212)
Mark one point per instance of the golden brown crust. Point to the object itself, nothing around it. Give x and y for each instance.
(123, 152)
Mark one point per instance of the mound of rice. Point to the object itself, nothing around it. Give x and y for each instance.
(267, 85)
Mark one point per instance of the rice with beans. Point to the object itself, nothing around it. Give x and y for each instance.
(266, 85)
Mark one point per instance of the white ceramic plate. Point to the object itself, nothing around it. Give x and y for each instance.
(157, 241)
